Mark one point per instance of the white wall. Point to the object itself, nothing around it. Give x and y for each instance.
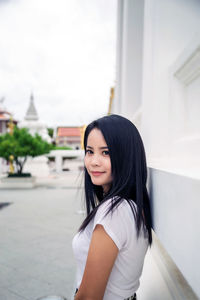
(158, 88)
(170, 26)
(175, 210)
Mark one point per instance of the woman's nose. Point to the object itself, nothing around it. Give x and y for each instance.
(95, 160)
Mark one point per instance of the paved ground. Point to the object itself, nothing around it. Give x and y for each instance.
(36, 232)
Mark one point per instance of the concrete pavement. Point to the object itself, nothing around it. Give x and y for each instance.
(36, 231)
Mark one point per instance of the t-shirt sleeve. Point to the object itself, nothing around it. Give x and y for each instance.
(114, 223)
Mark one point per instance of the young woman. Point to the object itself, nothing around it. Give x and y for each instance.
(113, 239)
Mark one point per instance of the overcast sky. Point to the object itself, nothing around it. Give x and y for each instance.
(61, 50)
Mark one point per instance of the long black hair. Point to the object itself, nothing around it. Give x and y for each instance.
(129, 172)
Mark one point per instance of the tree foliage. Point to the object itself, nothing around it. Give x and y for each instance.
(50, 132)
(20, 145)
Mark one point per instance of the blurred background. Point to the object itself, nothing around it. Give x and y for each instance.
(63, 52)
(63, 64)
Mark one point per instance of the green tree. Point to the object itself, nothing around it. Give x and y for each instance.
(22, 144)
(50, 132)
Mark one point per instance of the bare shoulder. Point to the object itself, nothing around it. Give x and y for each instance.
(101, 257)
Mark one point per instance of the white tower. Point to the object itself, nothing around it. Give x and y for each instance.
(32, 123)
(31, 113)
(36, 166)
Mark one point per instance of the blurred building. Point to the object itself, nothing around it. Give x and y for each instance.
(5, 118)
(158, 88)
(32, 123)
(68, 136)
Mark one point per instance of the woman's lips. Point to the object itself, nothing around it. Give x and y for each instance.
(97, 173)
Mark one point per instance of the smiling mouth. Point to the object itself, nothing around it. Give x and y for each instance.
(97, 173)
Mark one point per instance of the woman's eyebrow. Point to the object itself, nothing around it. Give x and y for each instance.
(99, 147)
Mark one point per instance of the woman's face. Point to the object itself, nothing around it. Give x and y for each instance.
(97, 160)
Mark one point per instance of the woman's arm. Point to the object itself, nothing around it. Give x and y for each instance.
(101, 257)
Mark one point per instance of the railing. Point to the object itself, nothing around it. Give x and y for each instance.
(59, 154)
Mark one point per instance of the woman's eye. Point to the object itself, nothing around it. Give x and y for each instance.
(88, 151)
(106, 152)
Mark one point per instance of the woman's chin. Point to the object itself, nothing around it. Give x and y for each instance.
(96, 182)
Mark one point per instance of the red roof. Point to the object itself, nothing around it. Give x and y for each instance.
(4, 117)
(68, 131)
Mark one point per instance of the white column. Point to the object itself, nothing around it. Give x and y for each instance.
(116, 105)
(58, 159)
(129, 57)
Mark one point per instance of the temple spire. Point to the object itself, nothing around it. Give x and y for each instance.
(31, 113)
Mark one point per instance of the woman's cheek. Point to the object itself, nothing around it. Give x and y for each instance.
(86, 162)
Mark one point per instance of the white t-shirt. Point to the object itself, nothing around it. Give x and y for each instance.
(120, 226)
